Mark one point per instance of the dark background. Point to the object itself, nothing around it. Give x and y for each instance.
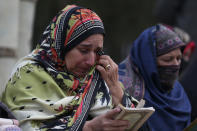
(123, 20)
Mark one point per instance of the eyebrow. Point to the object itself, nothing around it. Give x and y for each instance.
(88, 46)
(85, 45)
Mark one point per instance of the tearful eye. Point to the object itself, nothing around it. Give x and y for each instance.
(84, 51)
(167, 59)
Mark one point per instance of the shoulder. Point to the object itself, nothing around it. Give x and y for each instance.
(5, 112)
(131, 79)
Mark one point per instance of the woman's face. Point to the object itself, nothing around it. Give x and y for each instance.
(168, 68)
(82, 57)
(171, 58)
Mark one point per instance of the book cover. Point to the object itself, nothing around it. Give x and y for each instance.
(192, 126)
(136, 116)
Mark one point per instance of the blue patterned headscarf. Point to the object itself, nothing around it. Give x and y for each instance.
(167, 40)
(172, 108)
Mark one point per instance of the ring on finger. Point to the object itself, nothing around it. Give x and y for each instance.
(107, 67)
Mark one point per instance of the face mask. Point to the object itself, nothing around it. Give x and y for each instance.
(168, 75)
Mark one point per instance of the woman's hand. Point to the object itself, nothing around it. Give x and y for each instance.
(109, 72)
(106, 122)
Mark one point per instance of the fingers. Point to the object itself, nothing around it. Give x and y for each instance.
(106, 60)
(113, 112)
(120, 128)
(112, 124)
(102, 70)
(106, 122)
(107, 67)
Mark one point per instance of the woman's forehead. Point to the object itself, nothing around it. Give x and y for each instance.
(175, 52)
(95, 40)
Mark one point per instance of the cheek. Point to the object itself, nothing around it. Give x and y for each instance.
(73, 63)
(160, 63)
(97, 58)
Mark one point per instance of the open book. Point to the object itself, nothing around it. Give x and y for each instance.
(136, 116)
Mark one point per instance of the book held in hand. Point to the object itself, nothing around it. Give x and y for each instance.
(136, 116)
(192, 126)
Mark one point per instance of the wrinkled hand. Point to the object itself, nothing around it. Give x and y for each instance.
(106, 122)
(109, 72)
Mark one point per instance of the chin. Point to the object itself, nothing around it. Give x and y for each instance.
(80, 75)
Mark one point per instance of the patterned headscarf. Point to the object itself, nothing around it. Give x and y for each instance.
(166, 40)
(72, 25)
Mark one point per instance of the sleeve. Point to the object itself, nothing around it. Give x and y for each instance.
(127, 100)
(5, 112)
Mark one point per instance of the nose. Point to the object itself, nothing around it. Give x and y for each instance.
(90, 61)
(177, 62)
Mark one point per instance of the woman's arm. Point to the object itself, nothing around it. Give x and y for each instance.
(110, 75)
